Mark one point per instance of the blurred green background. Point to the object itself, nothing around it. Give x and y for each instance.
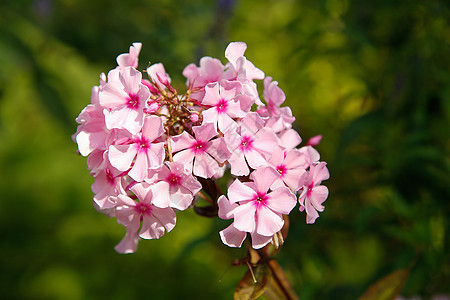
(371, 76)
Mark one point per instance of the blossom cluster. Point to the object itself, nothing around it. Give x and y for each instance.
(149, 147)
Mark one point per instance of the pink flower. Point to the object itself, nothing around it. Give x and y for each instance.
(142, 147)
(155, 221)
(254, 145)
(314, 194)
(274, 97)
(225, 103)
(204, 151)
(210, 70)
(123, 98)
(181, 185)
(233, 237)
(245, 71)
(130, 59)
(258, 211)
(92, 133)
(291, 167)
(108, 183)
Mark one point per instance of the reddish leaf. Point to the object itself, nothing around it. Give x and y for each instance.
(248, 289)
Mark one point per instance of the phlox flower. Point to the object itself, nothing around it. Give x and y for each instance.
(181, 185)
(245, 71)
(203, 152)
(253, 145)
(225, 103)
(291, 167)
(141, 146)
(313, 193)
(123, 98)
(255, 209)
(210, 70)
(155, 220)
(108, 183)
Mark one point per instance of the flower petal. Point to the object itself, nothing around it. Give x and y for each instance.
(232, 237)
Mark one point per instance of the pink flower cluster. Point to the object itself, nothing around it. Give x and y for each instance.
(149, 147)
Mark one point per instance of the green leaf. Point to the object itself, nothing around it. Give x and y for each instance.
(388, 287)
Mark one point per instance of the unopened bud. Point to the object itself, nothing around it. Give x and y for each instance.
(194, 117)
(152, 107)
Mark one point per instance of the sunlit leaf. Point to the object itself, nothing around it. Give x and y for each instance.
(388, 287)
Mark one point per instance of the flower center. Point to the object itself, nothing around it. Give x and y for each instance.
(132, 101)
(173, 179)
(282, 170)
(222, 105)
(109, 177)
(246, 143)
(260, 199)
(143, 208)
(142, 144)
(199, 147)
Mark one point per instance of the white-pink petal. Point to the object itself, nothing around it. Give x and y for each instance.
(225, 208)
(232, 237)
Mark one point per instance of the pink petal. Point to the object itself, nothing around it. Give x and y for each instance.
(166, 216)
(185, 157)
(210, 116)
(295, 159)
(142, 192)
(264, 177)
(140, 168)
(259, 241)
(219, 150)
(238, 192)
(234, 51)
(244, 217)
(205, 132)
(319, 172)
(160, 192)
(232, 237)
(112, 96)
(212, 96)
(121, 156)
(289, 139)
(268, 222)
(281, 201)
(205, 166)
(225, 208)
(318, 195)
(153, 128)
(295, 178)
(131, 79)
(151, 228)
(255, 159)
(156, 155)
(124, 118)
(312, 214)
(181, 199)
(266, 142)
(181, 141)
(238, 164)
(128, 244)
(251, 124)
